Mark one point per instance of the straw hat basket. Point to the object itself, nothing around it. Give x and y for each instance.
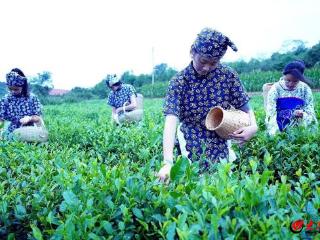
(265, 89)
(34, 133)
(224, 122)
(134, 115)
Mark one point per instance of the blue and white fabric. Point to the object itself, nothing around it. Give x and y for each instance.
(117, 98)
(281, 103)
(212, 43)
(14, 79)
(13, 108)
(190, 96)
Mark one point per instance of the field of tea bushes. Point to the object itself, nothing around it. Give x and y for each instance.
(97, 181)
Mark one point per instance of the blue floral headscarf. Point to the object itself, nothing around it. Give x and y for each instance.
(212, 43)
(14, 79)
(112, 79)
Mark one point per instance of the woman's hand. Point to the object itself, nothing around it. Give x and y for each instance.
(164, 173)
(298, 113)
(244, 134)
(115, 118)
(25, 120)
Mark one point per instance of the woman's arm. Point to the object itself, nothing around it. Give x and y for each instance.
(271, 111)
(133, 103)
(114, 115)
(114, 111)
(1, 128)
(308, 113)
(35, 119)
(30, 119)
(169, 134)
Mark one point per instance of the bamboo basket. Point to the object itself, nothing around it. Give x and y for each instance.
(134, 115)
(225, 122)
(37, 134)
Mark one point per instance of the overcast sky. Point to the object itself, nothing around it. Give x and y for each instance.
(80, 41)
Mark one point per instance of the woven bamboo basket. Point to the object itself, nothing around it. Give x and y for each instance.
(139, 101)
(225, 122)
(37, 134)
(265, 89)
(134, 115)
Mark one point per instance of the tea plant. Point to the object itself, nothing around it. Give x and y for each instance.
(94, 180)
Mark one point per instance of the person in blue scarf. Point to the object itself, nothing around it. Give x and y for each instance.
(19, 107)
(290, 101)
(203, 84)
(121, 94)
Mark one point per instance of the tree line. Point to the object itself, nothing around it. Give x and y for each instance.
(276, 62)
(253, 73)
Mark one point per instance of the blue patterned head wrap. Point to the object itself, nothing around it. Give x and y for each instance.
(112, 79)
(14, 79)
(212, 43)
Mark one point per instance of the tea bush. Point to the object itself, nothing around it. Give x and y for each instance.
(94, 180)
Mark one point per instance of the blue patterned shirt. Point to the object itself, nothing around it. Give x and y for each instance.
(190, 96)
(14, 108)
(118, 98)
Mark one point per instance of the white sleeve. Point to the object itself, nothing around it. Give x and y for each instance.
(271, 111)
(308, 111)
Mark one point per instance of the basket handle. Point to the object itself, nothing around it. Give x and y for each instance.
(40, 123)
(232, 108)
(124, 107)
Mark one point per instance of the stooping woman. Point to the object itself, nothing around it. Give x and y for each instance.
(290, 101)
(123, 100)
(203, 84)
(19, 107)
